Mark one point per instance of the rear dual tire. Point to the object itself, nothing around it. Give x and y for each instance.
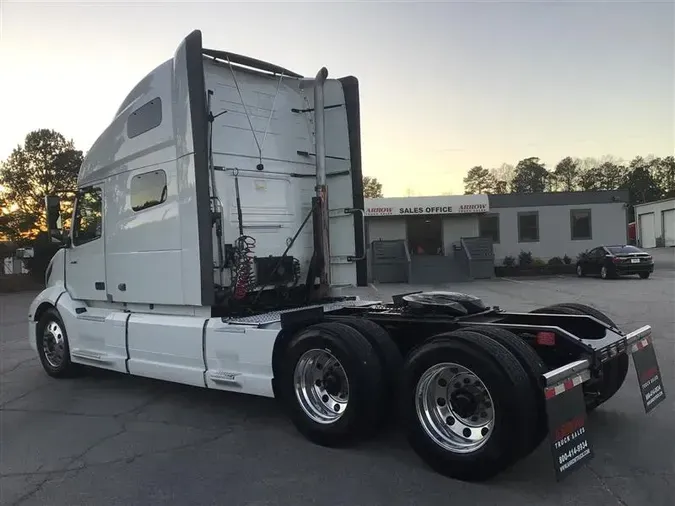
(467, 405)
(332, 383)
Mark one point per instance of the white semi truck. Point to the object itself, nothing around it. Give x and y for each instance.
(216, 219)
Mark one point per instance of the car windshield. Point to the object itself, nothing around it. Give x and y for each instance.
(623, 250)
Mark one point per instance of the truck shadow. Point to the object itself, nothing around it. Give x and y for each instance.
(249, 417)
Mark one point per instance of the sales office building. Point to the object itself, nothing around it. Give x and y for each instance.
(546, 224)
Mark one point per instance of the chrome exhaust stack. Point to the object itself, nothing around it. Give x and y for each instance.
(321, 259)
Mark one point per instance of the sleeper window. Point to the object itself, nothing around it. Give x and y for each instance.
(148, 190)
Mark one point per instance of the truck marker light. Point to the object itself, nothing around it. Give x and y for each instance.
(546, 338)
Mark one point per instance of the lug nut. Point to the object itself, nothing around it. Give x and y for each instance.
(467, 381)
(317, 383)
(324, 398)
(336, 408)
(466, 432)
(484, 431)
(440, 401)
(450, 420)
(442, 382)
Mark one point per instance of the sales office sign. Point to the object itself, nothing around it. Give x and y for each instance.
(410, 206)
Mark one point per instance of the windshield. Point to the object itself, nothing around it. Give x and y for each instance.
(623, 250)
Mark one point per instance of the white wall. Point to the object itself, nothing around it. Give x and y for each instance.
(658, 209)
(608, 226)
(456, 227)
(387, 229)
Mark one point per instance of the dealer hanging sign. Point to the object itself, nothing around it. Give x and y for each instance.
(407, 206)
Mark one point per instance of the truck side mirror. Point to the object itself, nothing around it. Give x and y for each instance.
(54, 222)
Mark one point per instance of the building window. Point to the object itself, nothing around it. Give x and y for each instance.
(145, 118)
(488, 226)
(88, 217)
(148, 190)
(580, 224)
(528, 226)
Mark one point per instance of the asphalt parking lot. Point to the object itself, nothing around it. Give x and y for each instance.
(108, 439)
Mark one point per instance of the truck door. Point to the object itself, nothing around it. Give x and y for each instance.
(85, 259)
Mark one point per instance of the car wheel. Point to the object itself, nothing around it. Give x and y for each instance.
(604, 274)
(644, 275)
(580, 271)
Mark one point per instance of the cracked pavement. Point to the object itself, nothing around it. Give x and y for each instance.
(107, 438)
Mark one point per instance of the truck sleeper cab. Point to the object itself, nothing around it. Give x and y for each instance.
(216, 219)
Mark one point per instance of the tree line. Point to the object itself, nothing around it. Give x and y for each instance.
(646, 178)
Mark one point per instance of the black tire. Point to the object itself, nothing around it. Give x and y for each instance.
(614, 371)
(364, 375)
(508, 386)
(580, 271)
(64, 368)
(588, 310)
(534, 367)
(385, 348)
(644, 275)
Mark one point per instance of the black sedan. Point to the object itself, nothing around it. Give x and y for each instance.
(614, 261)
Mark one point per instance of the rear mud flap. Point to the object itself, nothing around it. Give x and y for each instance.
(566, 409)
(566, 412)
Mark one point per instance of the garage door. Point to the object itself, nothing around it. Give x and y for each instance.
(669, 227)
(647, 230)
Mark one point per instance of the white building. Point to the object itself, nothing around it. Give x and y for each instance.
(544, 224)
(655, 223)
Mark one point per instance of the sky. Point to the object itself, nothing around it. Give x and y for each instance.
(444, 85)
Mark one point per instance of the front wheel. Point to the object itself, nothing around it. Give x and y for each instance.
(332, 383)
(466, 405)
(52, 345)
(580, 271)
(644, 275)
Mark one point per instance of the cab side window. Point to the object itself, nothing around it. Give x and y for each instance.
(88, 222)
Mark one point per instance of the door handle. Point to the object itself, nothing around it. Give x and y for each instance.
(73, 261)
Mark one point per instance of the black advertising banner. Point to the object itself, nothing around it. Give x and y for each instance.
(568, 436)
(649, 374)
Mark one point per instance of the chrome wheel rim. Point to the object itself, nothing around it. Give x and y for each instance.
(53, 344)
(455, 408)
(603, 272)
(579, 270)
(321, 386)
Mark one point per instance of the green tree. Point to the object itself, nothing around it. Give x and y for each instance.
(641, 185)
(478, 180)
(567, 173)
(372, 188)
(46, 164)
(530, 176)
(664, 175)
